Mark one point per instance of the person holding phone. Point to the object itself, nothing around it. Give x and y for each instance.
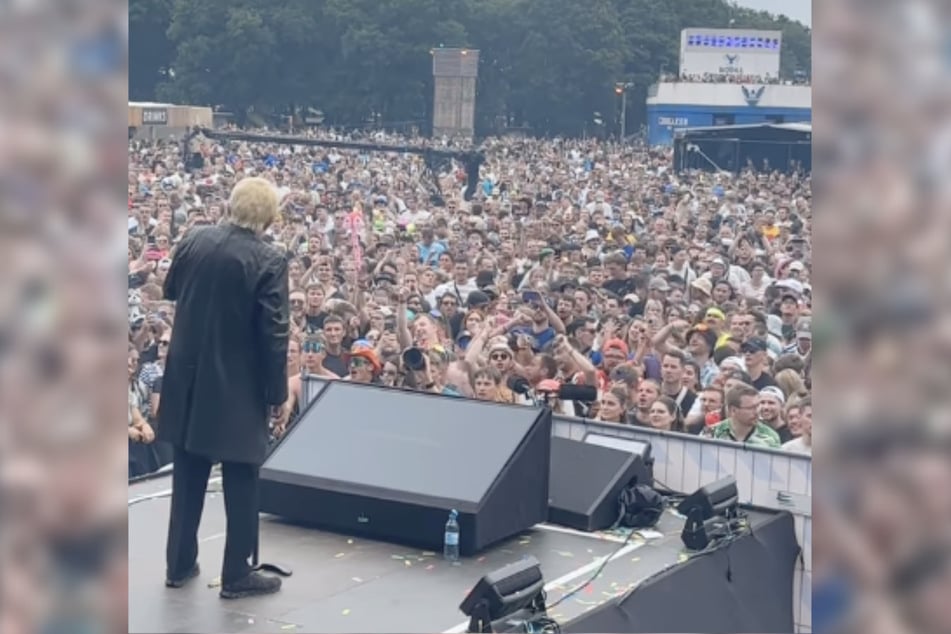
(545, 324)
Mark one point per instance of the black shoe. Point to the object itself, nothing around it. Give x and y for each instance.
(253, 585)
(179, 582)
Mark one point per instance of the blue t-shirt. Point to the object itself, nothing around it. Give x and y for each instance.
(542, 338)
(430, 255)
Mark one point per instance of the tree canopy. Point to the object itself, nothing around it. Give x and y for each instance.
(544, 64)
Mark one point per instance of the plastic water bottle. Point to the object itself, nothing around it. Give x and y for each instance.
(451, 540)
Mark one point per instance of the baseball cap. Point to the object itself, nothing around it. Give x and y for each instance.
(755, 344)
(659, 284)
(794, 286)
(476, 299)
(774, 392)
(592, 234)
(615, 344)
(703, 284)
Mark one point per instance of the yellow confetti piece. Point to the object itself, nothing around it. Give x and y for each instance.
(564, 553)
(682, 558)
(349, 541)
(214, 583)
(339, 555)
(524, 541)
(346, 611)
(635, 559)
(408, 563)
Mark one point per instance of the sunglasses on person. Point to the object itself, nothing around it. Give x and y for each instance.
(297, 302)
(500, 356)
(359, 362)
(312, 346)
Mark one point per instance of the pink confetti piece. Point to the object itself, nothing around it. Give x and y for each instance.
(480, 559)
(588, 589)
(430, 567)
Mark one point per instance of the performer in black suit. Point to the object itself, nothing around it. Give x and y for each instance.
(226, 370)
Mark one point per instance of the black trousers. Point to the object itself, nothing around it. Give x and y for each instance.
(189, 483)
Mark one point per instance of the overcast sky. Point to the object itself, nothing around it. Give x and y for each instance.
(800, 10)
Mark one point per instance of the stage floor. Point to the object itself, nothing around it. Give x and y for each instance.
(344, 584)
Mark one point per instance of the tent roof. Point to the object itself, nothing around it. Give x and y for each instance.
(793, 127)
(795, 132)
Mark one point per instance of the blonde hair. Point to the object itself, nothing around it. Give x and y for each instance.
(791, 383)
(253, 204)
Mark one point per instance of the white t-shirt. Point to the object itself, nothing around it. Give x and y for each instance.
(798, 445)
(461, 291)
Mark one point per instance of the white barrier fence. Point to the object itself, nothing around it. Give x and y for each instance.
(767, 478)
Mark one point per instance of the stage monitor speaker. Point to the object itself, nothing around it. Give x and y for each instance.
(717, 498)
(390, 464)
(585, 481)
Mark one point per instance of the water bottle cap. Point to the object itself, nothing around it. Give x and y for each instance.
(454, 513)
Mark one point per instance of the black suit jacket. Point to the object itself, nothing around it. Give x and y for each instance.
(227, 361)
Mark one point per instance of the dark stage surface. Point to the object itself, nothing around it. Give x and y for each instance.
(343, 584)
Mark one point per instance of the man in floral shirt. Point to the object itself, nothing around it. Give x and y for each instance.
(742, 424)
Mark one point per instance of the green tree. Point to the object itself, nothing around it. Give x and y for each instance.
(545, 64)
(150, 52)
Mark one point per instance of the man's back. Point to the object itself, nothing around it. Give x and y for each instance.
(227, 358)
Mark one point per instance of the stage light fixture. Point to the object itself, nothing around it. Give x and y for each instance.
(519, 586)
(717, 498)
(709, 511)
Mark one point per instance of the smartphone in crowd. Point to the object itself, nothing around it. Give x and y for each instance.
(532, 297)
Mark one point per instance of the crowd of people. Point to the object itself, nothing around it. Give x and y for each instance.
(683, 298)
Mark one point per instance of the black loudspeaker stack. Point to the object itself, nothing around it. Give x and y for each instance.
(391, 464)
(585, 481)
